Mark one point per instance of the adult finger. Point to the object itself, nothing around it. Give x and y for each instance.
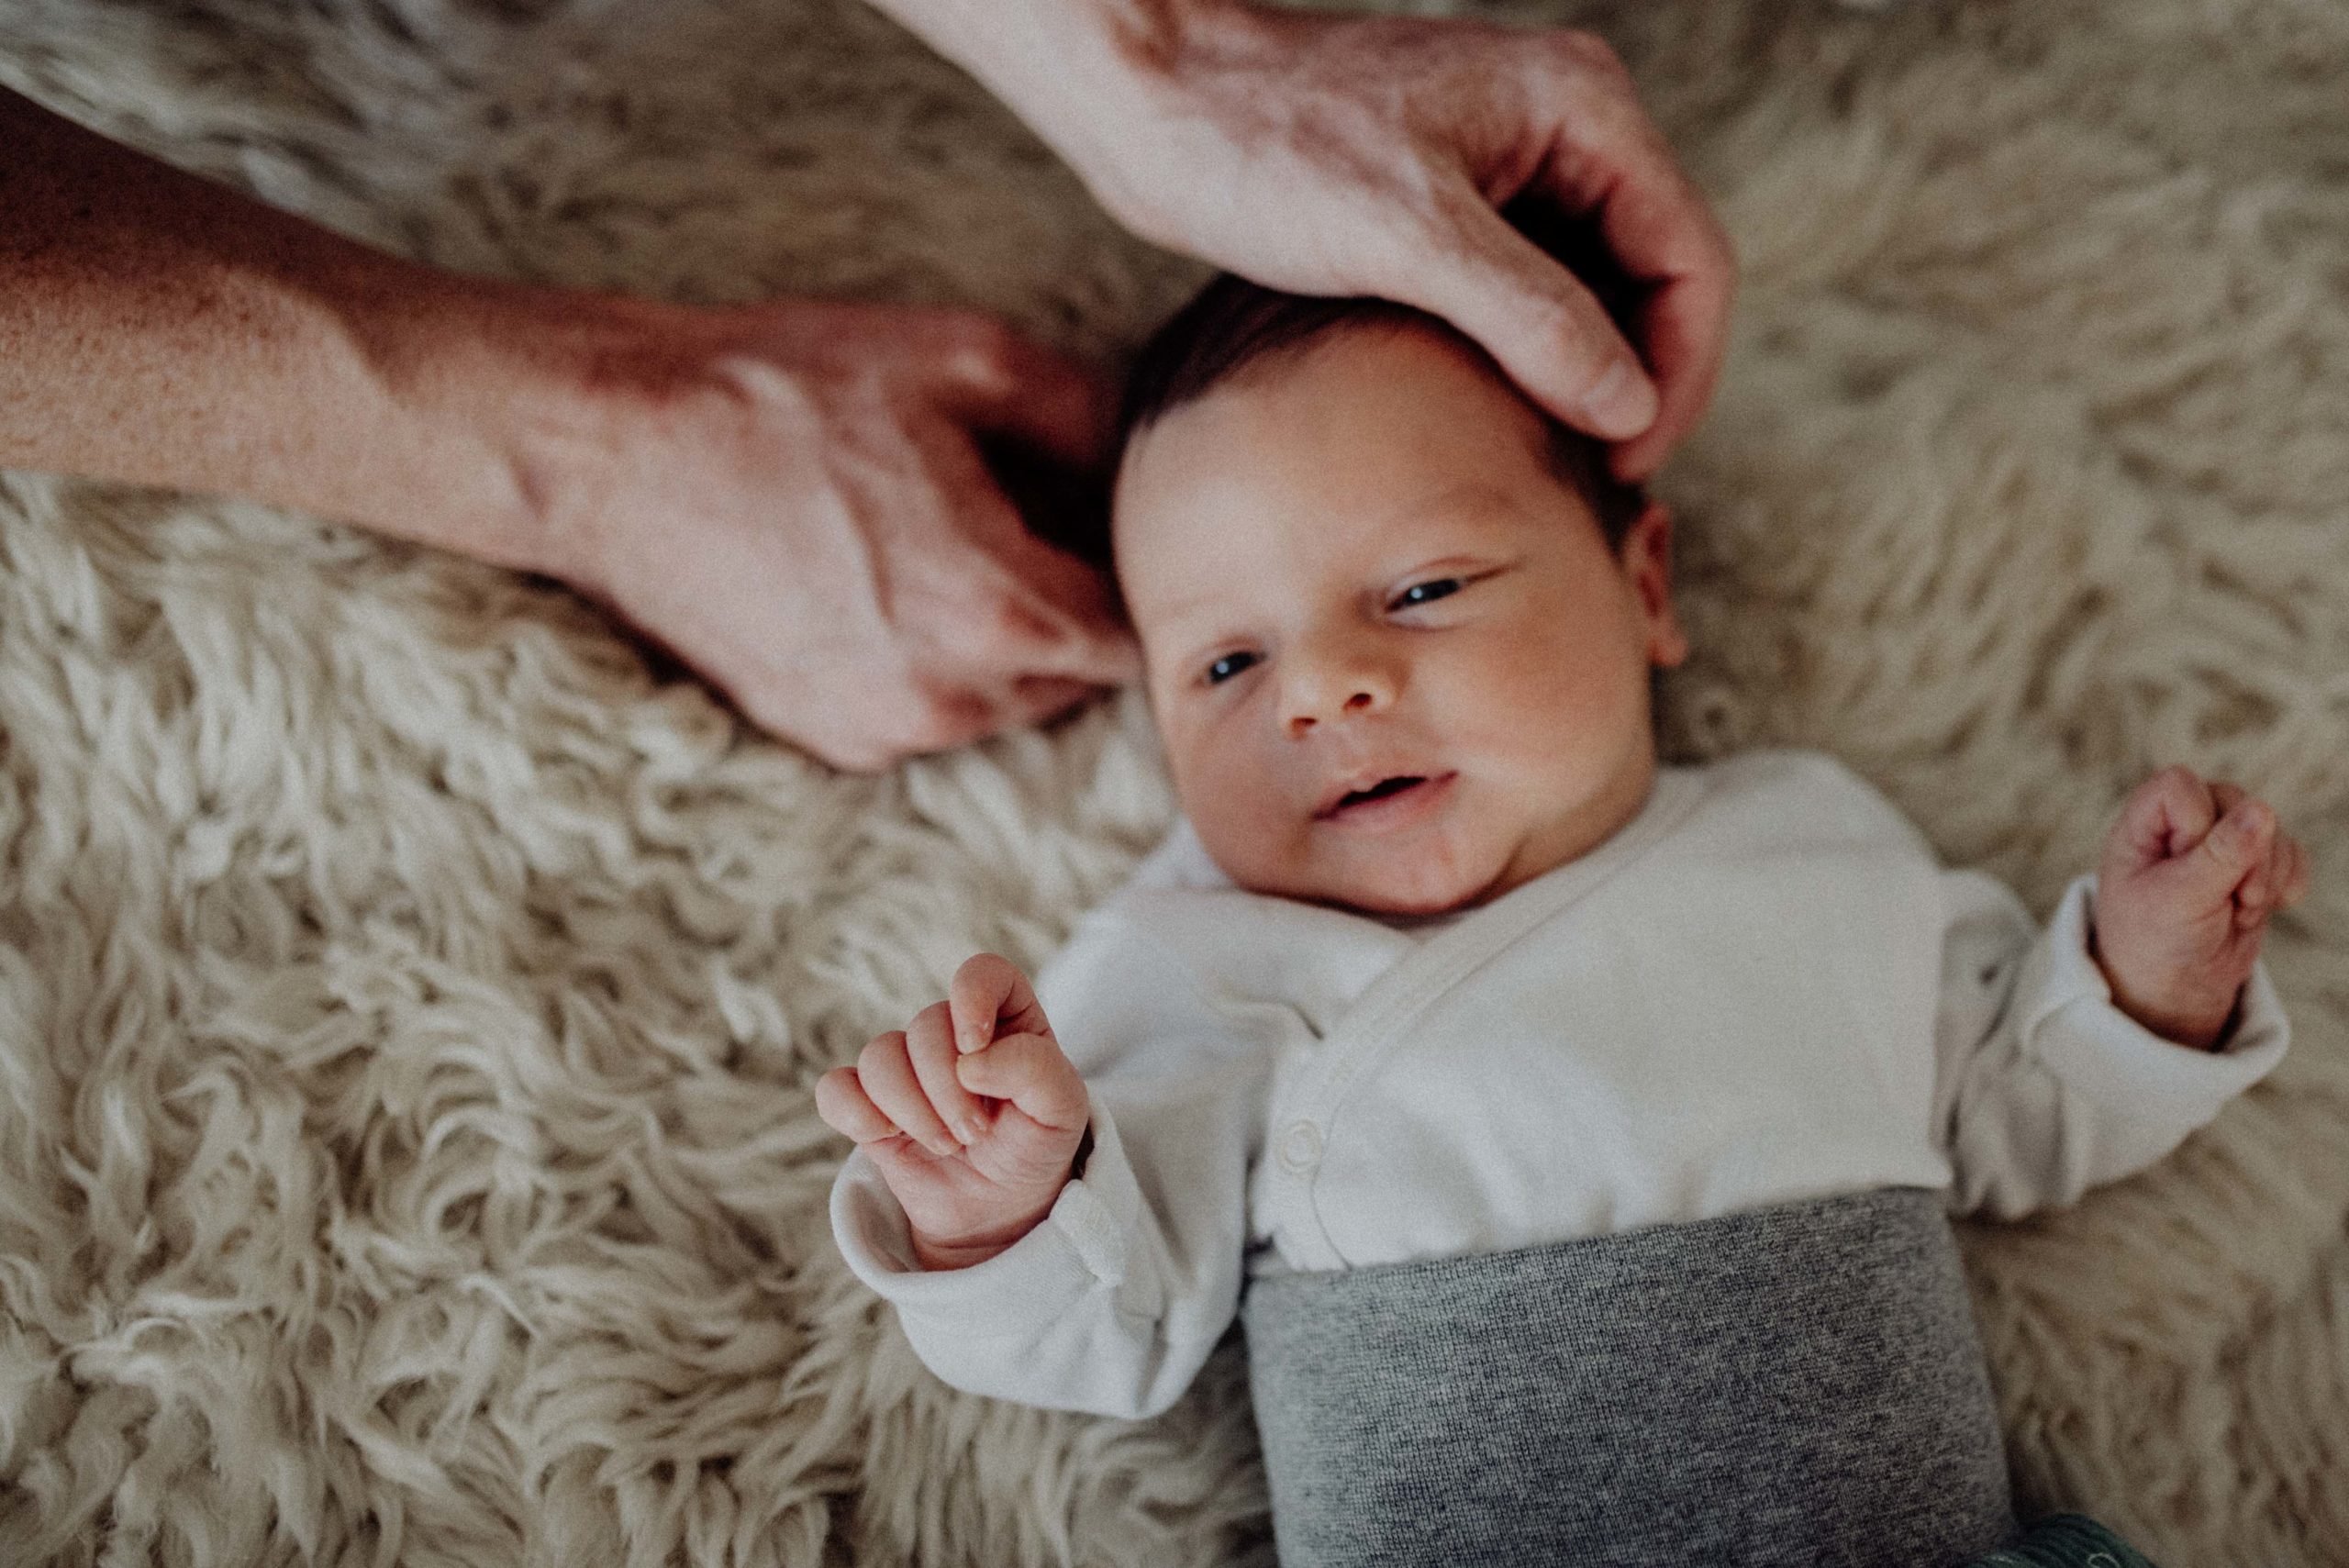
(930, 1043)
(1667, 242)
(1541, 324)
(931, 714)
(997, 379)
(1039, 699)
(847, 1110)
(1027, 608)
(886, 1071)
(1030, 1071)
(1684, 332)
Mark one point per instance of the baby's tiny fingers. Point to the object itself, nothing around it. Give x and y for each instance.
(990, 996)
(848, 1110)
(2279, 868)
(2164, 817)
(929, 1042)
(887, 1072)
(2269, 888)
(2298, 874)
(2233, 855)
(1030, 1071)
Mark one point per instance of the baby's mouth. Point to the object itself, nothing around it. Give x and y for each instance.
(1380, 790)
(1360, 801)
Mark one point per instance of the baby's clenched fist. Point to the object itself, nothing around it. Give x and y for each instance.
(972, 1113)
(2189, 875)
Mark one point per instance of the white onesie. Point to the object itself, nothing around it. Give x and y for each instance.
(1762, 989)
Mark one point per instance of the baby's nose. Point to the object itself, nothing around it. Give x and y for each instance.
(1342, 677)
(1304, 717)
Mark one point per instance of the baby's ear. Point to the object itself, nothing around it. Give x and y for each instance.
(1647, 562)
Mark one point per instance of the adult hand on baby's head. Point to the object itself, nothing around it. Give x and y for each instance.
(972, 1112)
(2189, 875)
(1331, 155)
(790, 498)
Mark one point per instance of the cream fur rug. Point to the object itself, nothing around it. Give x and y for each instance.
(408, 1006)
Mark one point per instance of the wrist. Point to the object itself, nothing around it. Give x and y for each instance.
(938, 1253)
(935, 1253)
(2199, 1026)
(498, 416)
(2198, 1021)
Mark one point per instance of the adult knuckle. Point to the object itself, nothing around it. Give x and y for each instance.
(1584, 50)
(984, 350)
(1021, 620)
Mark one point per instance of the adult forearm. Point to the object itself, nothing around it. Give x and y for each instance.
(159, 328)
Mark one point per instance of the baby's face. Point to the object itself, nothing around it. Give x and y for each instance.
(1354, 567)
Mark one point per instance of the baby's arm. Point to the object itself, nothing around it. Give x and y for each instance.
(2057, 1069)
(1107, 1292)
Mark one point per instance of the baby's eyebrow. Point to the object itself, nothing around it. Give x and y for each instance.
(1464, 498)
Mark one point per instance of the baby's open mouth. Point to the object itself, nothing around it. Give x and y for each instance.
(1364, 802)
(1380, 790)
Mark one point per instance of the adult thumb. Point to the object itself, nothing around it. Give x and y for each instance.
(1543, 326)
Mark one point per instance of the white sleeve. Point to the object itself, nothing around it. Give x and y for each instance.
(2043, 1088)
(1114, 1301)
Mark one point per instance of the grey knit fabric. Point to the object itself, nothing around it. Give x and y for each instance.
(1797, 1385)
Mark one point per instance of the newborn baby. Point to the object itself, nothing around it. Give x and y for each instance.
(1577, 1135)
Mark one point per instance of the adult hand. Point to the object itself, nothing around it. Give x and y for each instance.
(790, 498)
(1339, 155)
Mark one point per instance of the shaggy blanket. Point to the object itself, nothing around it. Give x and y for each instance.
(409, 999)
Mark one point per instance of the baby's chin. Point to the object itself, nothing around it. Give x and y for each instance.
(1402, 885)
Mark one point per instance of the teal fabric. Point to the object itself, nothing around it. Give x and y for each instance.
(2066, 1541)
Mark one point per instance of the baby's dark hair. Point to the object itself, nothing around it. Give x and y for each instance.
(1233, 325)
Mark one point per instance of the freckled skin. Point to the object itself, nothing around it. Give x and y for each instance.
(1277, 524)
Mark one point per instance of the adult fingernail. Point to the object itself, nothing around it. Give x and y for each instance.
(1622, 404)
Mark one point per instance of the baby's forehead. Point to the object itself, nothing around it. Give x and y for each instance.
(1379, 436)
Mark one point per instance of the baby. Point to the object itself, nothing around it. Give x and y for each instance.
(1576, 1136)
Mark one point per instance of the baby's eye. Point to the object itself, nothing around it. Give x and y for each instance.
(1426, 593)
(1231, 664)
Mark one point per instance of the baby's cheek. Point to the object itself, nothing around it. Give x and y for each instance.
(1236, 803)
(1543, 705)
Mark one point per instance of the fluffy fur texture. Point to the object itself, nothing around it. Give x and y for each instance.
(408, 1005)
